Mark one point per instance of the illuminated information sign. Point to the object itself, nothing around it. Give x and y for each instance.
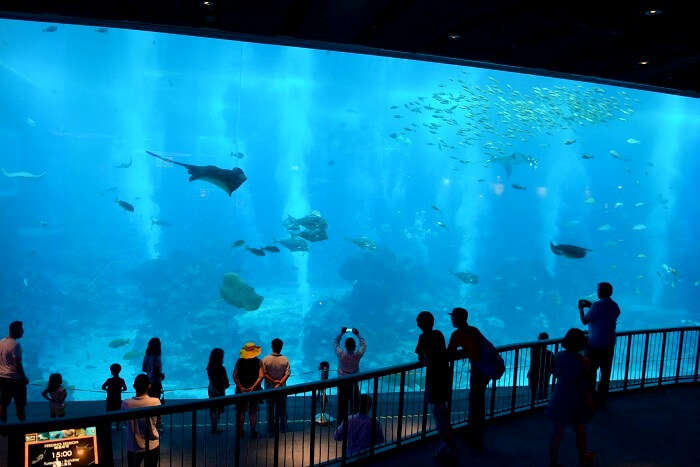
(72, 447)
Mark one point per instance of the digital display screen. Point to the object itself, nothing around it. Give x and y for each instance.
(70, 447)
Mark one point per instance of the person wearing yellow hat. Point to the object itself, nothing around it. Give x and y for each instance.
(248, 374)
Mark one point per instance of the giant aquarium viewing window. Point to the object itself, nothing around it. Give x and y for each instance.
(370, 188)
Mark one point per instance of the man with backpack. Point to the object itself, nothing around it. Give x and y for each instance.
(468, 342)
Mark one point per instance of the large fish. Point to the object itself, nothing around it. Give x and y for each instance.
(294, 243)
(569, 251)
(313, 221)
(227, 180)
(515, 158)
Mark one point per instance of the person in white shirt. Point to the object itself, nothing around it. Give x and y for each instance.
(276, 372)
(13, 381)
(139, 430)
(348, 364)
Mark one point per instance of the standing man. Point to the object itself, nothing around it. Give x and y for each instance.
(467, 339)
(432, 352)
(142, 430)
(602, 322)
(13, 381)
(276, 372)
(348, 364)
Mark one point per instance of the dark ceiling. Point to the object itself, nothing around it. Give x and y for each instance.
(615, 40)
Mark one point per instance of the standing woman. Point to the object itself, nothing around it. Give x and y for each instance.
(153, 367)
(218, 383)
(248, 374)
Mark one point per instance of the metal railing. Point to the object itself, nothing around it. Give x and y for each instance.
(399, 414)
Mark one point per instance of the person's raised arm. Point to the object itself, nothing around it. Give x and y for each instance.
(584, 321)
(123, 385)
(338, 350)
(105, 385)
(44, 394)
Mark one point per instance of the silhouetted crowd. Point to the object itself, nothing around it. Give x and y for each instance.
(573, 399)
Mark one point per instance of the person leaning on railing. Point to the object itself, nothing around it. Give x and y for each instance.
(468, 339)
(432, 352)
(602, 321)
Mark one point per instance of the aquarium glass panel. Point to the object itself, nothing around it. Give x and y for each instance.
(299, 191)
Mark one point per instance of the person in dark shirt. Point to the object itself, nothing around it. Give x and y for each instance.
(541, 367)
(248, 374)
(218, 383)
(114, 387)
(432, 352)
(467, 339)
(600, 349)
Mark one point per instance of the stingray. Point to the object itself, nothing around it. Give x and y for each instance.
(22, 174)
(568, 251)
(227, 180)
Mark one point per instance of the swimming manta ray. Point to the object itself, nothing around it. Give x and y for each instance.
(516, 158)
(227, 180)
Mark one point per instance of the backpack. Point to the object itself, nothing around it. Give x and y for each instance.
(491, 363)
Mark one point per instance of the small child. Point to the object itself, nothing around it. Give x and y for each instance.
(56, 395)
(114, 387)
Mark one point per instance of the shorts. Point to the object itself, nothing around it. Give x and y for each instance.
(13, 389)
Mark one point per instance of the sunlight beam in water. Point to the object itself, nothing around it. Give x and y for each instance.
(666, 156)
(138, 178)
(295, 140)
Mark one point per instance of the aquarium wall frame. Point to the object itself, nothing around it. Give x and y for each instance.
(643, 360)
(214, 33)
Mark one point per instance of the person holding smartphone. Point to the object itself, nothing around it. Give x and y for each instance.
(348, 364)
(601, 319)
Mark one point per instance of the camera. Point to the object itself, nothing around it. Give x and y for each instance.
(583, 303)
(348, 329)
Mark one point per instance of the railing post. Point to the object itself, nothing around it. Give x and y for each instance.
(452, 386)
(663, 357)
(644, 359)
(697, 358)
(493, 397)
(514, 392)
(375, 402)
(627, 362)
(399, 423)
(194, 438)
(274, 403)
(312, 433)
(680, 355)
(424, 420)
(238, 435)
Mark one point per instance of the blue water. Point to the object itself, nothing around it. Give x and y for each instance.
(319, 132)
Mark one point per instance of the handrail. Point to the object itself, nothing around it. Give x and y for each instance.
(176, 407)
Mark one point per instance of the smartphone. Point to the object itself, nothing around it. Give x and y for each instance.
(348, 329)
(584, 303)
